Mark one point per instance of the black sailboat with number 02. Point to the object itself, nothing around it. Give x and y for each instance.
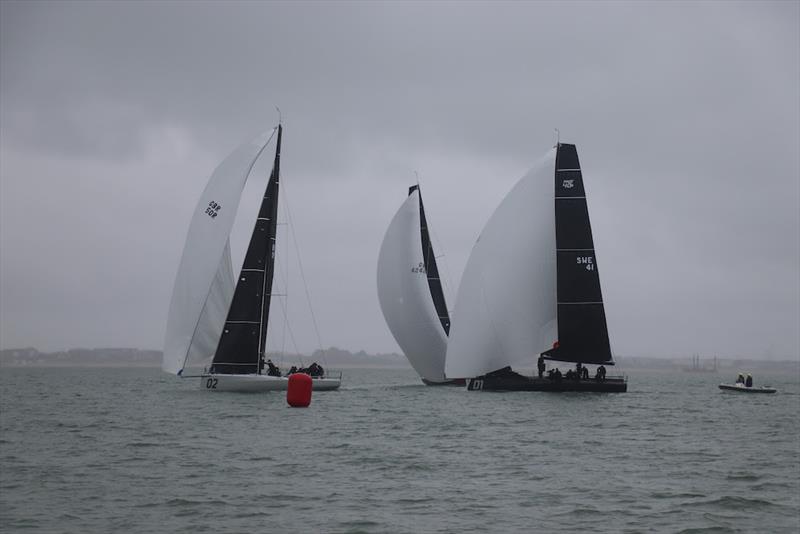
(209, 314)
(531, 290)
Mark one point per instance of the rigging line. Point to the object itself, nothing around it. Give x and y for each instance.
(285, 277)
(302, 272)
(286, 300)
(289, 328)
(208, 291)
(285, 313)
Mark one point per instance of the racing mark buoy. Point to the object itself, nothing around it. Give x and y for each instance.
(298, 393)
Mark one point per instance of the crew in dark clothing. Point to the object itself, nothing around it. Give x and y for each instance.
(570, 374)
(748, 381)
(601, 374)
(550, 374)
(585, 374)
(740, 379)
(540, 365)
(315, 370)
(557, 375)
(578, 371)
(292, 371)
(272, 369)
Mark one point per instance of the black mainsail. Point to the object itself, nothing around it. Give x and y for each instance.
(242, 344)
(582, 329)
(431, 269)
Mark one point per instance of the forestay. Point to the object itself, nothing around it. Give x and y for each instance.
(204, 283)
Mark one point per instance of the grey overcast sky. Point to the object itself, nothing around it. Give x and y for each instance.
(686, 116)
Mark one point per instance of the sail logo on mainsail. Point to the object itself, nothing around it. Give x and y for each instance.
(568, 184)
(419, 269)
(213, 209)
(588, 261)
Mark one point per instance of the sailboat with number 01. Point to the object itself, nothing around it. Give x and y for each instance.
(531, 287)
(210, 315)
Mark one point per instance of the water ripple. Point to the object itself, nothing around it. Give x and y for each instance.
(138, 451)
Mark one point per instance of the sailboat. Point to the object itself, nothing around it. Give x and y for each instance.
(410, 291)
(531, 286)
(209, 314)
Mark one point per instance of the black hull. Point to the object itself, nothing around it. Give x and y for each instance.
(455, 382)
(511, 381)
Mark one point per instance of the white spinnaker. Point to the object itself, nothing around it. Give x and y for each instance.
(405, 296)
(506, 304)
(215, 311)
(204, 283)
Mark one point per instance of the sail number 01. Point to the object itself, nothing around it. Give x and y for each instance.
(588, 261)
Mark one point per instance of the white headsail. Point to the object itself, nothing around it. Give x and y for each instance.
(506, 304)
(204, 284)
(405, 295)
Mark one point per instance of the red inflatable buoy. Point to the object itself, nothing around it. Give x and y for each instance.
(298, 394)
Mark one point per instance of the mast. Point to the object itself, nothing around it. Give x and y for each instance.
(242, 344)
(582, 329)
(431, 269)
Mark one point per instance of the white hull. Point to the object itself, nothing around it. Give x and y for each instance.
(258, 383)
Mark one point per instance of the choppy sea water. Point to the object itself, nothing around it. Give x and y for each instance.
(135, 450)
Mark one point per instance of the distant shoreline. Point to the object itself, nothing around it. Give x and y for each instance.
(332, 358)
(335, 358)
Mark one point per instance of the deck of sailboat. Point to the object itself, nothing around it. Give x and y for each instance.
(511, 381)
(258, 382)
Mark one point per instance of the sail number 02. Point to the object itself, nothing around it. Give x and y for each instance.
(588, 261)
(211, 383)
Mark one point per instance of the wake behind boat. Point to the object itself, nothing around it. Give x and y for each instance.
(531, 283)
(209, 315)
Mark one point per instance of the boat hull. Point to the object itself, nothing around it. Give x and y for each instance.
(508, 380)
(259, 383)
(745, 389)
